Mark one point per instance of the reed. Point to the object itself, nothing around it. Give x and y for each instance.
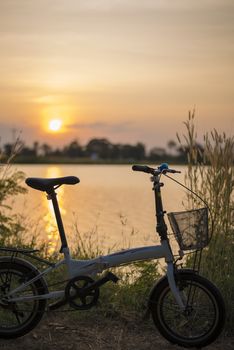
(210, 173)
(129, 297)
(11, 227)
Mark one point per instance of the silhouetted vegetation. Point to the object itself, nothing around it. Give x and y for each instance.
(11, 225)
(97, 150)
(215, 184)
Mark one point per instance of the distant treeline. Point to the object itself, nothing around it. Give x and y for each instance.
(96, 150)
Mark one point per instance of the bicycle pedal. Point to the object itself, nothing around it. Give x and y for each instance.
(100, 282)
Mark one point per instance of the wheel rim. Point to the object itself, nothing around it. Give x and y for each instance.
(14, 316)
(200, 317)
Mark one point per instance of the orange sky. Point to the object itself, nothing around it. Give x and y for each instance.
(126, 70)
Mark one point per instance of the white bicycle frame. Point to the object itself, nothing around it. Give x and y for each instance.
(97, 265)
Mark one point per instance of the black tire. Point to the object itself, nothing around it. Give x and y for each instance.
(202, 321)
(19, 318)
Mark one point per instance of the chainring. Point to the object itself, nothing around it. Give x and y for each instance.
(76, 295)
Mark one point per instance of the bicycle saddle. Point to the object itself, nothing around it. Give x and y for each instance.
(44, 184)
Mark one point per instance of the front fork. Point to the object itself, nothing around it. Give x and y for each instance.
(172, 284)
(171, 269)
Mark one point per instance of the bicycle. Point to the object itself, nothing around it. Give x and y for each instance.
(187, 309)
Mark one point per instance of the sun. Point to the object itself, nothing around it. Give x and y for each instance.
(55, 125)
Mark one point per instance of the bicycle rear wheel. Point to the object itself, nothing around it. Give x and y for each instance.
(202, 320)
(18, 318)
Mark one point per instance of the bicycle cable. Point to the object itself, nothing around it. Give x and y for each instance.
(195, 194)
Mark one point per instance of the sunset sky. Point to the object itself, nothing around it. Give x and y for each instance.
(128, 70)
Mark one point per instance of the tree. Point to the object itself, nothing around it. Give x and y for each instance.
(27, 151)
(157, 154)
(172, 146)
(115, 151)
(183, 151)
(7, 149)
(100, 148)
(36, 147)
(73, 149)
(133, 152)
(139, 151)
(46, 149)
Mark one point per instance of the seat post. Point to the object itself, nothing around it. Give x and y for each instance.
(52, 195)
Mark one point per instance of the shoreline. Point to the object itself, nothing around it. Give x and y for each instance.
(91, 162)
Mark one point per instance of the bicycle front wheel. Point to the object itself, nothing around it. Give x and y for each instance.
(202, 320)
(18, 318)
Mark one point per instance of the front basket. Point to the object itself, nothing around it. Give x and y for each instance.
(190, 228)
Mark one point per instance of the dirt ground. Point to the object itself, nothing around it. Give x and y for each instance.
(64, 332)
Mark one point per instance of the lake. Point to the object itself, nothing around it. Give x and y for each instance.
(112, 206)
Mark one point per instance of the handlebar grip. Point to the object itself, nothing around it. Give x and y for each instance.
(175, 171)
(143, 168)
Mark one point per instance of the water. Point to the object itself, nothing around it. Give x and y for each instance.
(112, 205)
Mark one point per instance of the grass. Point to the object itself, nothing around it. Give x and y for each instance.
(217, 265)
(210, 174)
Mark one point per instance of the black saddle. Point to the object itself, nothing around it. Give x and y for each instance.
(47, 185)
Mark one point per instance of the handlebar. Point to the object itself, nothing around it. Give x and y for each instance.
(143, 168)
(162, 169)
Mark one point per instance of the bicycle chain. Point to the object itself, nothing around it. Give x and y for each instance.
(57, 311)
(47, 310)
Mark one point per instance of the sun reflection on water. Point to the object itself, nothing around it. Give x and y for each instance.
(49, 219)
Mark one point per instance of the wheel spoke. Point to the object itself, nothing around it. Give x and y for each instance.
(92, 293)
(73, 285)
(18, 318)
(3, 282)
(83, 299)
(202, 320)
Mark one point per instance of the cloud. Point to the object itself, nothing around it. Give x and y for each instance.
(139, 5)
(104, 126)
(47, 99)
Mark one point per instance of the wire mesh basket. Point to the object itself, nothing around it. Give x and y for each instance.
(190, 228)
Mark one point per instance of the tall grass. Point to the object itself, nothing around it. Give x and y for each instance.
(210, 173)
(129, 297)
(11, 228)
(126, 298)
